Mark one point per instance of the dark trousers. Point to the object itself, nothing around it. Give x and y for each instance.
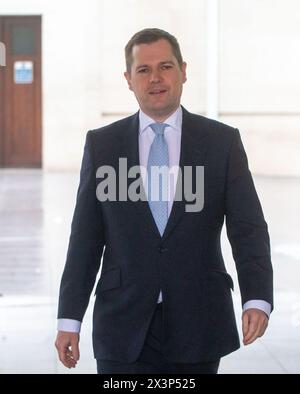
(151, 360)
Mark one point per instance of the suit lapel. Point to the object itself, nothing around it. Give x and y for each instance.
(131, 151)
(194, 144)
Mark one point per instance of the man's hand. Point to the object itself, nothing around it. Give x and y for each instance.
(255, 322)
(67, 347)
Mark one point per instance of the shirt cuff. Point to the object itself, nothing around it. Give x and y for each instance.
(258, 304)
(68, 325)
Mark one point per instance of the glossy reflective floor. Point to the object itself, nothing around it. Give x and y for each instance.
(35, 215)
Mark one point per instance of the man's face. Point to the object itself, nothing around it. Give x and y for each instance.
(156, 79)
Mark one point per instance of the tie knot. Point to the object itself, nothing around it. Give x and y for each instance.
(158, 128)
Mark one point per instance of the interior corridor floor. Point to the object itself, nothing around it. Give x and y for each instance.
(36, 209)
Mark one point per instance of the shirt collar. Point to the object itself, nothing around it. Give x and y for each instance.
(174, 121)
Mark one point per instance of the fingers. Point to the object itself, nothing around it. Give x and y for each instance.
(67, 348)
(265, 326)
(246, 323)
(75, 350)
(252, 333)
(255, 323)
(66, 357)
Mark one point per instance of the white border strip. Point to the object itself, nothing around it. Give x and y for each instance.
(212, 93)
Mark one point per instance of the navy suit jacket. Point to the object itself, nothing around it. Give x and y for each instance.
(186, 262)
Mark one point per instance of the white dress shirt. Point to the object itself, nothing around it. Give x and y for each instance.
(173, 138)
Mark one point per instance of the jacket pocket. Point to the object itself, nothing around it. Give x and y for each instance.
(225, 275)
(110, 279)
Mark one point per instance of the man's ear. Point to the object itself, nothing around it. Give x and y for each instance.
(183, 69)
(128, 79)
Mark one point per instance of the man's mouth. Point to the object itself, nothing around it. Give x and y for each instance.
(157, 92)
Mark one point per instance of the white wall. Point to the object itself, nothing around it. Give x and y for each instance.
(83, 64)
(260, 82)
(187, 23)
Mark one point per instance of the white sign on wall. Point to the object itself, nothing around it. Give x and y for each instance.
(23, 72)
(2, 54)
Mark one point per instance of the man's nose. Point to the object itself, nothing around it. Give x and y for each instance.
(155, 76)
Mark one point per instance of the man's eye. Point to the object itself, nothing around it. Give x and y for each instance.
(142, 70)
(166, 67)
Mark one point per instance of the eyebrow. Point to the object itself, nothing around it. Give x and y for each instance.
(160, 64)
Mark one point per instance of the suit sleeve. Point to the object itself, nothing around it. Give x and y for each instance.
(246, 228)
(85, 244)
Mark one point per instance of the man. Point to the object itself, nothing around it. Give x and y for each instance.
(163, 301)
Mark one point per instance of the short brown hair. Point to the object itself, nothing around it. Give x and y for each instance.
(148, 36)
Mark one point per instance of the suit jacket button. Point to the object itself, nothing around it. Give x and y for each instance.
(161, 249)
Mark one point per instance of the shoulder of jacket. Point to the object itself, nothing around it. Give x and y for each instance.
(213, 125)
(112, 129)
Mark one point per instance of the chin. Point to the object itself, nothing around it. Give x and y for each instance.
(160, 107)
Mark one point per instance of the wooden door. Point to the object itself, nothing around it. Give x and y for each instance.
(20, 92)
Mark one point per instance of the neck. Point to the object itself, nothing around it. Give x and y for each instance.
(160, 118)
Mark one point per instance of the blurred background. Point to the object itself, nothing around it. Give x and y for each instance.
(63, 75)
